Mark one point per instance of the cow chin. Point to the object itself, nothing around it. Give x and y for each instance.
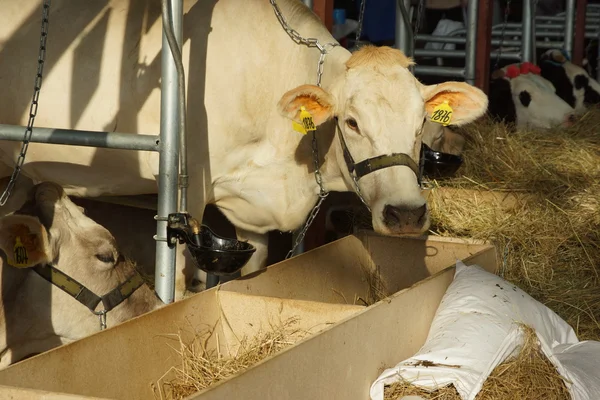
(401, 220)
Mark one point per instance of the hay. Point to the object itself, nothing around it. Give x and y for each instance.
(548, 240)
(528, 375)
(203, 366)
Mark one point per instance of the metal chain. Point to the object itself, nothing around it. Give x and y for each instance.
(324, 49)
(34, 104)
(361, 16)
(506, 13)
(417, 26)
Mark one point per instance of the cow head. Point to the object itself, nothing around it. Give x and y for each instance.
(50, 229)
(520, 96)
(380, 109)
(573, 84)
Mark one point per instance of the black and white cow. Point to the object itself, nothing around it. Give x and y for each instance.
(573, 83)
(519, 95)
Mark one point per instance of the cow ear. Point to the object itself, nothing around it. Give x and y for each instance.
(467, 102)
(319, 103)
(24, 240)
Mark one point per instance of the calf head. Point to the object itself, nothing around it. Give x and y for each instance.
(520, 96)
(49, 229)
(573, 84)
(380, 109)
(442, 138)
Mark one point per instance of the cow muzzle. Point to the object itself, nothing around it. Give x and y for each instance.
(404, 220)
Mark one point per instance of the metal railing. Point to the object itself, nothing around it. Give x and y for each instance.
(166, 144)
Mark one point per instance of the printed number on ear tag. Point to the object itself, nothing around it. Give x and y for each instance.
(20, 254)
(307, 122)
(442, 114)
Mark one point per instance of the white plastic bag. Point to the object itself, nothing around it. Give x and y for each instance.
(443, 28)
(475, 329)
(580, 363)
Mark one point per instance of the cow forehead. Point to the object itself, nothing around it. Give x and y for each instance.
(393, 90)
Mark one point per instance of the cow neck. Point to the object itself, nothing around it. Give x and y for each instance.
(85, 296)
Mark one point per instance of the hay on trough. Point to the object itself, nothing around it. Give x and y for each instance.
(527, 375)
(203, 366)
(548, 231)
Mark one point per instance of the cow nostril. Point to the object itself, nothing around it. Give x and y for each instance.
(395, 215)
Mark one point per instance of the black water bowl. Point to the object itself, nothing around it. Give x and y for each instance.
(218, 255)
(438, 164)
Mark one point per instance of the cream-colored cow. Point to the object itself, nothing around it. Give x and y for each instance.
(246, 83)
(47, 239)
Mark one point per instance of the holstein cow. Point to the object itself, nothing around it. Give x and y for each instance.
(519, 95)
(573, 84)
(247, 82)
(47, 240)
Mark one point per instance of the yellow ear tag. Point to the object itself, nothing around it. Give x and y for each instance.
(307, 122)
(442, 114)
(20, 254)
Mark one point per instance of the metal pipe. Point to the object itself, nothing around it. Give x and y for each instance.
(471, 46)
(461, 54)
(569, 26)
(598, 59)
(169, 160)
(495, 42)
(528, 33)
(403, 32)
(110, 140)
(589, 25)
(446, 72)
(308, 3)
(555, 34)
(176, 53)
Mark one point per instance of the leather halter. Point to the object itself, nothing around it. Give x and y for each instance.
(365, 167)
(85, 296)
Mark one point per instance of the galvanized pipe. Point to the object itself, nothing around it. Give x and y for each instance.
(589, 26)
(462, 54)
(169, 159)
(110, 140)
(528, 34)
(308, 3)
(403, 31)
(446, 72)
(569, 26)
(553, 34)
(495, 42)
(471, 45)
(598, 59)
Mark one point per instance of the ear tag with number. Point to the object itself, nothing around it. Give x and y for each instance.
(442, 114)
(20, 254)
(307, 122)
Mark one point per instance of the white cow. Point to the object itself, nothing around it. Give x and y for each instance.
(519, 95)
(46, 236)
(247, 80)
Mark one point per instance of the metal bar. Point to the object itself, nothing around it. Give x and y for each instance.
(579, 42)
(569, 26)
(484, 45)
(110, 140)
(555, 34)
(402, 29)
(471, 46)
(462, 53)
(169, 159)
(598, 59)
(527, 37)
(446, 72)
(589, 25)
(308, 3)
(495, 42)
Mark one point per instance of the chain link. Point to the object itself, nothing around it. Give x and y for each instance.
(34, 105)
(323, 49)
(506, 14)
(361, 16)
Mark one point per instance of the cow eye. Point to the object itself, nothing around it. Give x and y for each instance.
(351, 122)
(106, 258)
